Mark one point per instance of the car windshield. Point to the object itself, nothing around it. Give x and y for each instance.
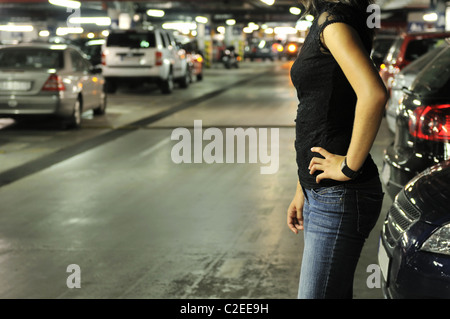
(31, 58)
(132, 40)
(391, 56)
(382, 45)
(417, 48)
(436, 77)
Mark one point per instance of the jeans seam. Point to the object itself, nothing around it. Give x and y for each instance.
(325, 291)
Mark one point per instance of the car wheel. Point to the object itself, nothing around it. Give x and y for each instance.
(102, 107)
(75, 120)
(168, 84)
(184, 82)
(110, 86)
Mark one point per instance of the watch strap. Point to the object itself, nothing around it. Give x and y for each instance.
(347, 171)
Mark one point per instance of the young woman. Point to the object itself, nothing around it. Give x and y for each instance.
(339, 194)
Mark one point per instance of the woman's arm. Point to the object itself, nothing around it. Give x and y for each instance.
(346, 47)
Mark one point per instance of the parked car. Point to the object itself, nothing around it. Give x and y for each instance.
(381, 45)
(422, 135)
(262, 49)
(291, 49)
(194, 59)
(49, 80)
(93, 50)
(404, 79)
(407, 48)
(136, 57)
(414, 250)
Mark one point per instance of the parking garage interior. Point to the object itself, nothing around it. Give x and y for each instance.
(100, 192)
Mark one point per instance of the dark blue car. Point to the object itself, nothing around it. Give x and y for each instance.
(414, 251)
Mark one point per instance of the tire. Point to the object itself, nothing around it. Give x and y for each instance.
(75, 120)
(168, 84)
(110, 86)
(102, 107)
(184, 81)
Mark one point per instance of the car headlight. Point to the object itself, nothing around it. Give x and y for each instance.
(439, 242)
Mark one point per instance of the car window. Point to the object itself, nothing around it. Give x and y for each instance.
(417, 48)
(78, 62)
(391, 56)
(31, 58)
(436, 77)
(132, 40)
(381, 46)
(165, 40)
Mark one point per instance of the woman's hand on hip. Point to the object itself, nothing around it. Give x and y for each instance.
(330, 165)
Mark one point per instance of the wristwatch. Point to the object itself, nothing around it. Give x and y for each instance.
(347, 171)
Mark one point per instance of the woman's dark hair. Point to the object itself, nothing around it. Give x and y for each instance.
(313, 6)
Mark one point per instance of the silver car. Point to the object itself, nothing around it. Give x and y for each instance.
(49, 80)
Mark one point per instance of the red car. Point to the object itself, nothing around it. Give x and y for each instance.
(195, 63)
(407, 48)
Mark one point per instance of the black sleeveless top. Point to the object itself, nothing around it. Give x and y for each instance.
(326, 111)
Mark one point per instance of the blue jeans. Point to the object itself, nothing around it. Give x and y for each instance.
(337, 221)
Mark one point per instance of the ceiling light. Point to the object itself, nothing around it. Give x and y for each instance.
(95, 20)
(295, 11)
(268, 2)
(200, 19)
(66, 3)
(230, 22)
(155, 13)
(44, 33)
(309, 18)
(430, 17)
(16, 28)
(65, 31)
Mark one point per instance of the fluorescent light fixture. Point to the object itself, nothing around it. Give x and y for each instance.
(16, 28)
(105, 21)
(309, 18)
(183, 27)
(66, 3)
(430, 17)
(268, 2)
(285, 30)
(230, 22)
(155, 13)
(295, 11)
(253, 26)
(201, 19)
(65, 31)
(44, 33)
(248, 30)
(303, 25)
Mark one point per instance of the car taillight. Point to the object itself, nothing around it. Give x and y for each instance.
(54, 83)
(159, 59)
(292, 48)
(431, 123)
(103, 58)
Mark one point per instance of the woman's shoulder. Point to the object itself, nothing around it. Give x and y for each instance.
(340, 12)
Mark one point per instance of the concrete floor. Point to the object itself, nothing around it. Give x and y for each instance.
(110, 199)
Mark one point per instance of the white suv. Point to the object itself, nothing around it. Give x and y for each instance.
(135, 57)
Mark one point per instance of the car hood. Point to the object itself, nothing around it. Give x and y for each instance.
(430, 193)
